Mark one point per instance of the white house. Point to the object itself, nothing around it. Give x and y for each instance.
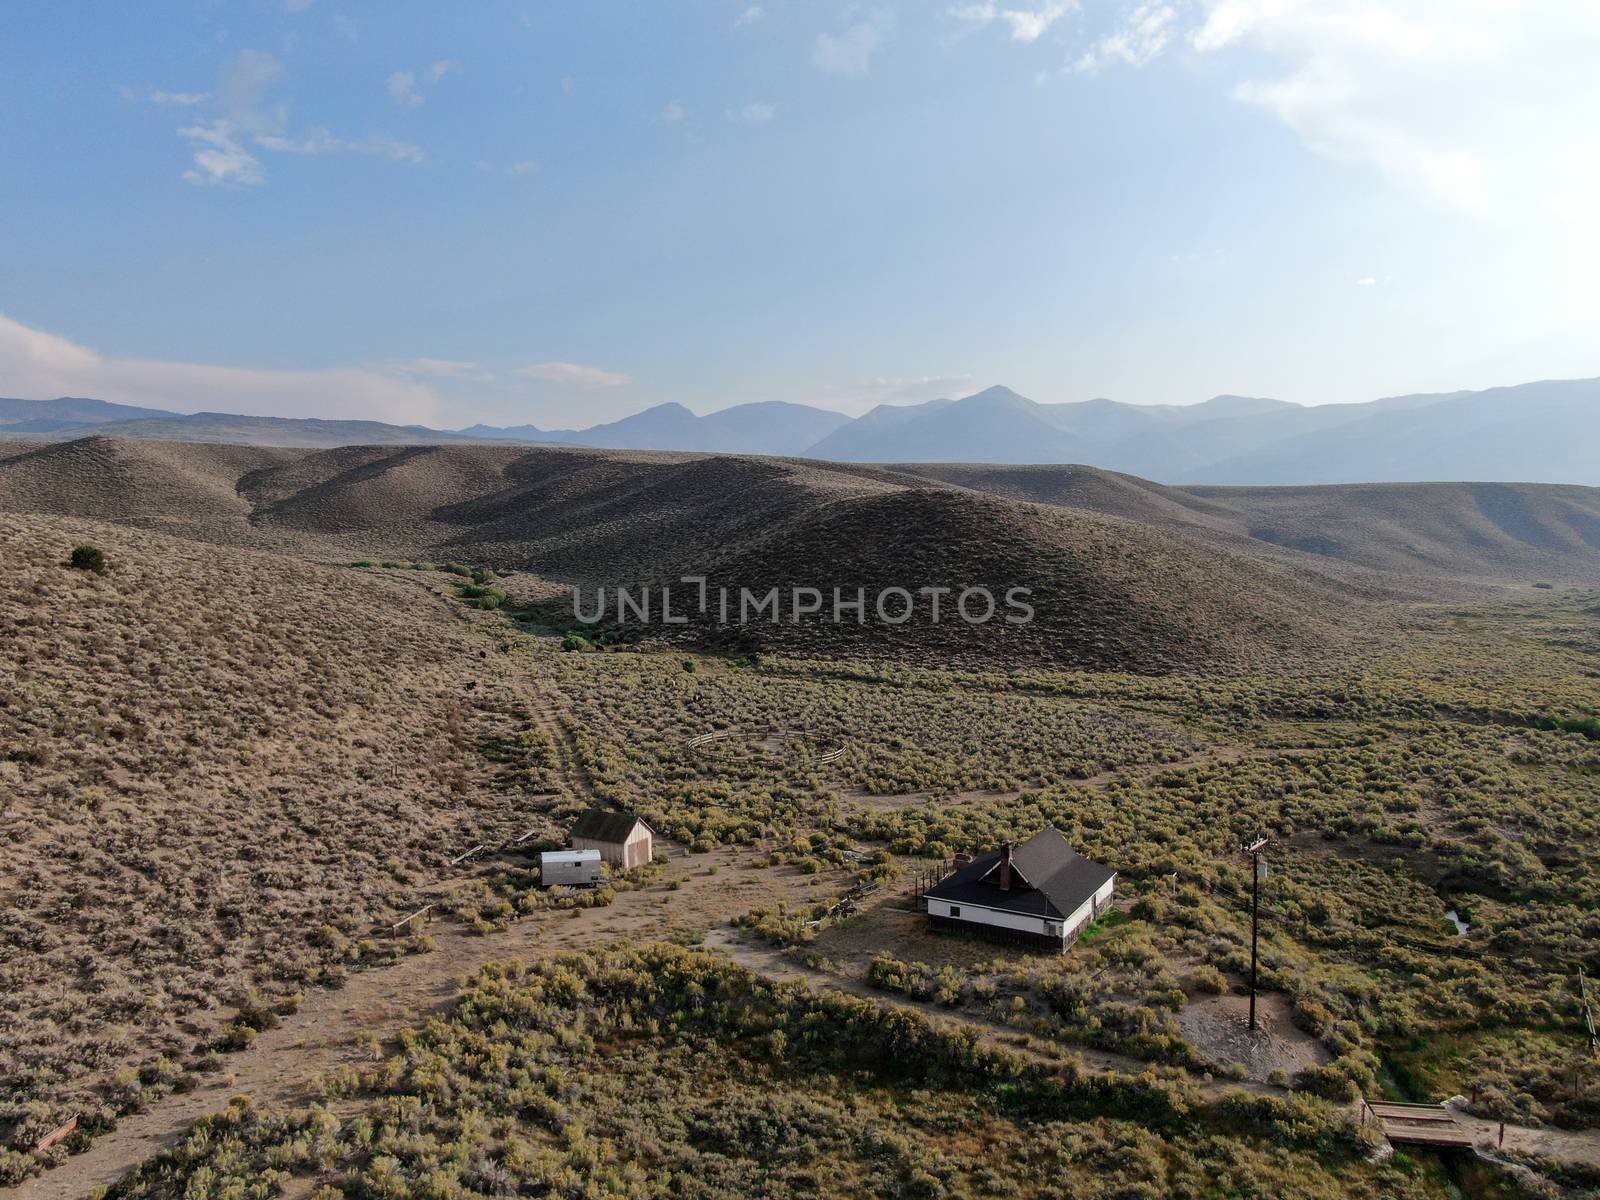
(1041, 893)
(575, 868)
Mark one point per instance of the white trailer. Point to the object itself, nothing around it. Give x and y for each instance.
(574, 868)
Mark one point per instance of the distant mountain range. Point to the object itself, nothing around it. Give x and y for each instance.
(1535, 432)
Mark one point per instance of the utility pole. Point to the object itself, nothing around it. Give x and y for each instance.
(1254, 850)
(1588, 1013)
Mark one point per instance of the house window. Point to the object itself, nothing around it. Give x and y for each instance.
(955, 910)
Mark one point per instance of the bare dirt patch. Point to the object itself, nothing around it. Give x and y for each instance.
(1219, 1028)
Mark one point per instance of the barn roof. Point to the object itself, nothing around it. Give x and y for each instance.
(601, 825)
(1048, 879)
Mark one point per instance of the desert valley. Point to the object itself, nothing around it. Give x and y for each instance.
(753, 600)
(309, 694)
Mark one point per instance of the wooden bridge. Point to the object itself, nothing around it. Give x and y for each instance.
(1417, 1124)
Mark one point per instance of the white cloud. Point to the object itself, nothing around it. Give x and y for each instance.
(849, 52)
(242, 94)
(320, 141)
(1366, 281)
(405, 89)
(402, 87)
(751, 15)
(440, 367)
(42, 365)
(572, 374)
(1136, 42)
(223, 146)
(1483, 105)
(526, 167)
(1026, 24)
(569, 85)
(756, 113)
(673, 112)
(864, 394)
(219, 158)
(178, 99)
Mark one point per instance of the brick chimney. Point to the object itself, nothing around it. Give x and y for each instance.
(1005, 867)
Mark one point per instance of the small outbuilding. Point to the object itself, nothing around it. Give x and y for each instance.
(574, 868)
(622, 839)
(1042, 893)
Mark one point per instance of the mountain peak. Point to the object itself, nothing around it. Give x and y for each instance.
(999, 393)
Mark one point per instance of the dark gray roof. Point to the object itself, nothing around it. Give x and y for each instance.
(604, 826)
(1048, 879)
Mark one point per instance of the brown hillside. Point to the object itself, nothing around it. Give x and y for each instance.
(1107, 594)
(1513, 532)
(178, 487)
(218, 771)
(1112, 593)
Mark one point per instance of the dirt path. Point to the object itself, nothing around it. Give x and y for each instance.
(1563, 1145)
(695, 892)
(284, 1063)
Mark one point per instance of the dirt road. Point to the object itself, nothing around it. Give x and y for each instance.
(284, 1063)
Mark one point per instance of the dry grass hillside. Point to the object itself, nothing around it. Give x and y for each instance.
(1144, 577)
(1516, 532)
(1106, 594)
(218, 770)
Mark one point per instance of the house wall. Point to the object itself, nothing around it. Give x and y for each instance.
(1090, 909)
(978, 915)
(638, 850)
(1036, 930)
(635, 852)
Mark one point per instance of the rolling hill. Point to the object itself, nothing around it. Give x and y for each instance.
(1109, 592)
(1489, 531)
(1105, 594)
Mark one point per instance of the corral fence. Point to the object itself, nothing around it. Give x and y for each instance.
(925, 879)
(846, 905)
(408, 924)
(762, 731)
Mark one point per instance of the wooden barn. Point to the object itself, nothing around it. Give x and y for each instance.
(623, 839)
(1042, 893)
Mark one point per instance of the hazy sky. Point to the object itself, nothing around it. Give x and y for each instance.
(559, 213)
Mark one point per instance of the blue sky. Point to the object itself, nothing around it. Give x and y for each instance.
(561, 213)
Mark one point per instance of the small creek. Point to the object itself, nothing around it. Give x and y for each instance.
(1455, 919)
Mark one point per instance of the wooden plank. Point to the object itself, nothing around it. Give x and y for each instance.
(55, 1135)
(1438, 1118)
(1429, 1137)
(404, 921)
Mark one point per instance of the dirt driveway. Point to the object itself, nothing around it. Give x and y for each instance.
(282, 1066)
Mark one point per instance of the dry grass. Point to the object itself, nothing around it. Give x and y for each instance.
(220, 771)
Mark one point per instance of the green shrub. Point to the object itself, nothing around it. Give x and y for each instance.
(481, 595)
(1208, 979)
(88, 558)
